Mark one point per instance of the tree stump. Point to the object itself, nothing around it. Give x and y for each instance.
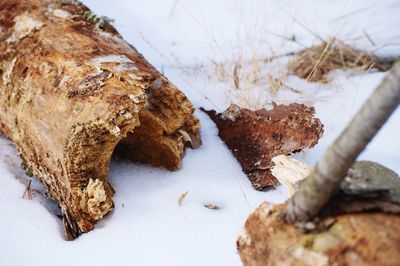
(353, 239)
(71, 89)
(358, 226)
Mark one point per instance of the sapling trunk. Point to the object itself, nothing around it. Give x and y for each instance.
(329, 172)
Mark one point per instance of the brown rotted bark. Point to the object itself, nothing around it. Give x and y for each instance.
(71, 89)
(255, 137)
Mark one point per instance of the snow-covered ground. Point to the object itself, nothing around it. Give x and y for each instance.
(183, 38)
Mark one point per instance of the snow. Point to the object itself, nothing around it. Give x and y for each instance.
(181, 38)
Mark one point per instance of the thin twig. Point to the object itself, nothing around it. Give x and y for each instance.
(243, 193)
(352, 13)
(369, 38)
(172, 11)
(28, 191)
(309, 30)
(285, 38)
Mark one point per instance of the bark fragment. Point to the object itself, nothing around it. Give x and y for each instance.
(71, 90)
(255, 137)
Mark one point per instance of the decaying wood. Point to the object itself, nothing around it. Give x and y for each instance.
(358, 226)
(350, 239)
(289, 171)
(71, 89)
(255, 137)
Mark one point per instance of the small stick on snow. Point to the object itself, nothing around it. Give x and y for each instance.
(28, 191)
(182, 198)
(211, 206)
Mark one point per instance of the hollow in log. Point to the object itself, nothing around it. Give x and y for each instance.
(71, 90)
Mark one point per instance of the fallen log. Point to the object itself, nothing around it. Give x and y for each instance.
(255, 137)
(71, 90)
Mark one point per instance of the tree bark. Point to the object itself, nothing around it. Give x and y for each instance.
(255, 137)
(71, 90)
(324, 181)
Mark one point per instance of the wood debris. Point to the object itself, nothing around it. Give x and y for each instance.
(211, 206)
(71, 91)
(182, 198)
(255, 137)
(289, 171)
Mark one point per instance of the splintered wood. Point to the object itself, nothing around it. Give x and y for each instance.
(289, 171)
(255, 137)
(71, 89)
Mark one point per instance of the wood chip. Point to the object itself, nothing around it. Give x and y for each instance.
(182, 198)
(289, 171)
(211, 206)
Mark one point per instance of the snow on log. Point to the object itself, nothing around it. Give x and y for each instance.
(71, 89)
(255, 137)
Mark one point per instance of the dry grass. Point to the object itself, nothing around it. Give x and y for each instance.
(250, 82)
(314, 63)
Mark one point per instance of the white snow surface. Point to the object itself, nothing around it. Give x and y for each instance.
(181, 38)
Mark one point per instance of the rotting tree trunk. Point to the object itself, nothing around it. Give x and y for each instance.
(325, 179)
(71, 90)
